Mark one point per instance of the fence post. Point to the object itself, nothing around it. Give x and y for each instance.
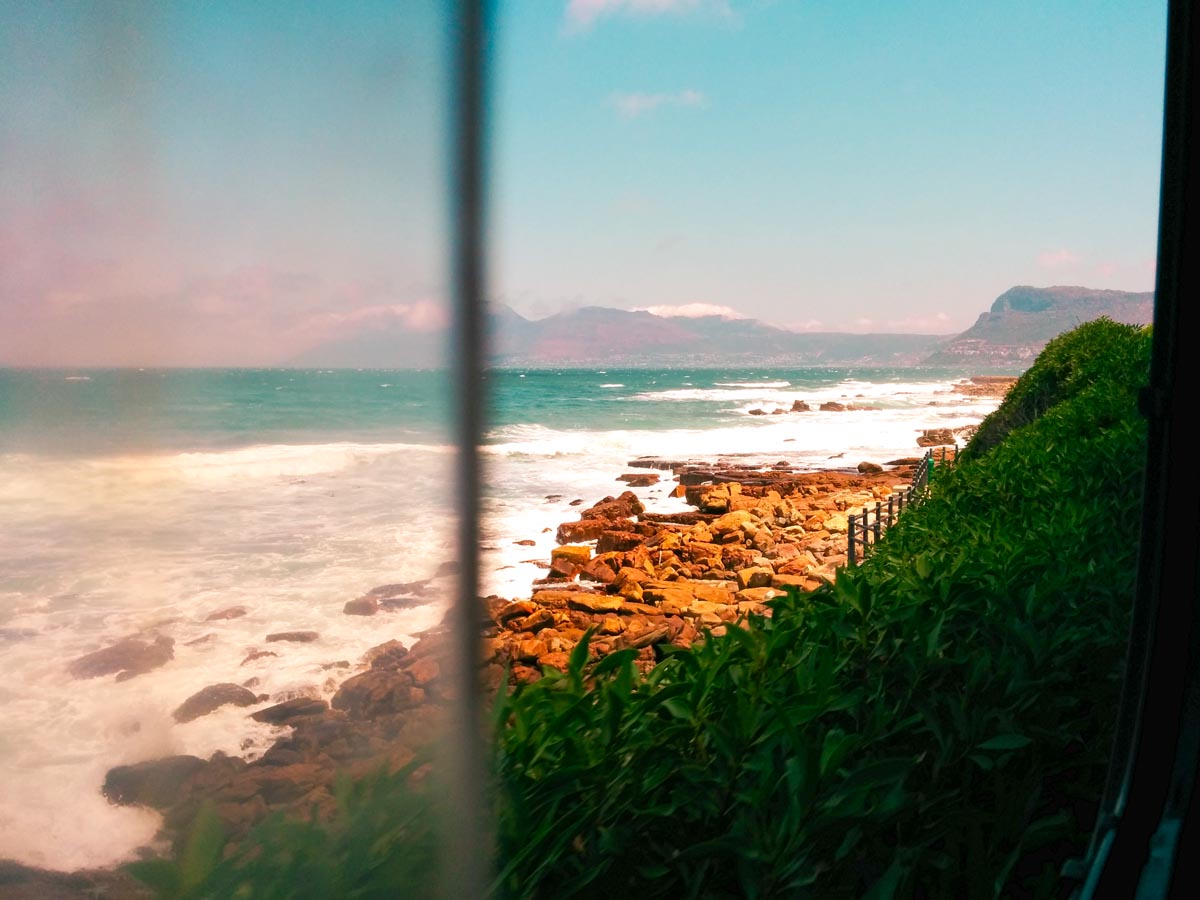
(850, 541)
(878, 507)
(891, 515)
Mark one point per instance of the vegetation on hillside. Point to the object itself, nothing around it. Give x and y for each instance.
(935, 724)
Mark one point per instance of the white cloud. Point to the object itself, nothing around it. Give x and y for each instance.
(1053, 259)
(581, 15)
(421, 315)
(691, 311)
(806, 325)
(632, 105)
(931, 323)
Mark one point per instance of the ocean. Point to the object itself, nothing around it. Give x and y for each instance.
(139, 502)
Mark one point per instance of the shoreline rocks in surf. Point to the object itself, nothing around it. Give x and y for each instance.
(637, 580)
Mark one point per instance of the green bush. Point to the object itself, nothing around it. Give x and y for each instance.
(935, 724)
(1098, 352)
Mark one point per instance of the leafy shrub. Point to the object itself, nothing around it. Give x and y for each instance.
(1100, 351)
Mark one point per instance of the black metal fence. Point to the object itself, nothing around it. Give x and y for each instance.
(863, 530)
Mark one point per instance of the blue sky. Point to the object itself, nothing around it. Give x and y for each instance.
(847, 166)
(226, 183)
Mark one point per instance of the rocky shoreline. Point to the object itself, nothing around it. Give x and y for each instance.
(648, 581)
(637, 580)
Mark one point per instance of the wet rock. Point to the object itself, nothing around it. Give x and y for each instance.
(408, 588)
(833, 406)
(527, 542)
(800, 406)
(626, 506)
(154, 783)
(128, 658)
(257, 654)
(213, 697)
(296, 637)
(639, 479)
(758, 412)
(869, 468)
(378, 692)
(362, 606)
(388, 655)
(283, 713)
(230, 612)
(395, 603)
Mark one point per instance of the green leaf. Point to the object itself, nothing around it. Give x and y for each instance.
(678, 707)
(885, 888)
(160, 874)
(203, 849)
(614, 660)
(579, 656)
(1006, 742)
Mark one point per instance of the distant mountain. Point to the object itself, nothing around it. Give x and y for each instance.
(1008, 336)
(597, 335)
(391, 346)
(1023, 319)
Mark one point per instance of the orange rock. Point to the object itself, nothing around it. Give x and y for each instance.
(572, 553)
(754, 577)
(529, 650)
(424, 671)
(611, 625)
(555, 660)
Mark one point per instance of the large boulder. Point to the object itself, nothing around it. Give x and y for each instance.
(154, 783)
(572, 553)
(378, 692)
(618, 541)
(639, 479)
(586, 529)
(298, 637)
(289, 710)
(625, 506)
(366, 605)
(212, 698)
(128, 658)
(230, 612)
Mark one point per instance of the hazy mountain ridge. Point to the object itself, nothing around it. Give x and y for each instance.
(1024, 318)
(1007, 336)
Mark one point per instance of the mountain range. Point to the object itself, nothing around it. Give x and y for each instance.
(1007, 336)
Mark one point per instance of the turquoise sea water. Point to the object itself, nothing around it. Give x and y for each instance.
(136, 503)
(97, 411)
